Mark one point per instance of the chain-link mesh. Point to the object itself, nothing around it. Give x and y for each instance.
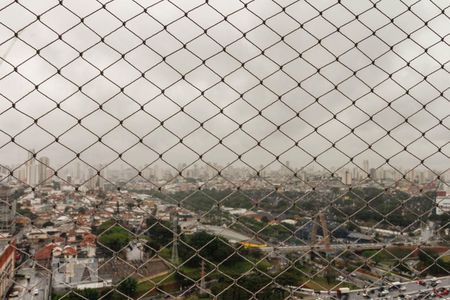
(224, 149)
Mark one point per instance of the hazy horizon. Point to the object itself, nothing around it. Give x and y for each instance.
(177, 79)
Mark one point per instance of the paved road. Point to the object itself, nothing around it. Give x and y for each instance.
(412, 289)
(333, 247)
(34, 280)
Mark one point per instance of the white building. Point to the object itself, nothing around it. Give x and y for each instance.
(443, 200)
(44, 171)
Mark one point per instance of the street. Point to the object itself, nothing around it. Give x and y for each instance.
(33, 285)
(411, 290)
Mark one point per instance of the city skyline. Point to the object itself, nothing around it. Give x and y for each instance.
(357, 102)
(224, 150)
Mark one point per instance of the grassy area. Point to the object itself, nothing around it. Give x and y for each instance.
(387, 255)
(241, 267)
(169, 282)
(401, 252)
(165, 253)
(143, 287)
(193, 273)
(164, 279)
(236, 269)
(320, 283)
(166, 282)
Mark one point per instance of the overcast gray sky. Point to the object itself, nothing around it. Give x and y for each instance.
(214, 70)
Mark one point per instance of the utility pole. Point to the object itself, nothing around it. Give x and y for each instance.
(202, 277)
(175, 257)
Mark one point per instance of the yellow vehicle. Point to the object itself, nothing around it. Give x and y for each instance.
(252, 245)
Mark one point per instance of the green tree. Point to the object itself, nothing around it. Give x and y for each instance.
(26, 213)
(182, 280)
(90, 294)
(212, 248)
(128, 286)
(104, 226)
(159, 232)
(330, 275)
(290, 277)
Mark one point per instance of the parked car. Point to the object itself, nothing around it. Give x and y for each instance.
(421, 282)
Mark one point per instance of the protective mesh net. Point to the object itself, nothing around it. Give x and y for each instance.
(224, 149)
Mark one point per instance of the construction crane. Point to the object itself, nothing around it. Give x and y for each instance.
(320, 219)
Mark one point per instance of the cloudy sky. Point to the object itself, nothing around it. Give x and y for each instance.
(287, 80)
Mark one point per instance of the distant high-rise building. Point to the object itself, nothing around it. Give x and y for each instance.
(422, 177)
(7, 209)
(31, 170)
(366, 166)
(44, 172)
(21, 174)
(196, 171)
(347, 178)
(91, 179)
(355, 173)
(373, 173)
(96, 179)
(102, 178)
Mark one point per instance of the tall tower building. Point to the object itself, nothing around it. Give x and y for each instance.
(7, 209)
(421, 177)
(347, 178)
(355, 173)
(91, 179)
(31, 170)
(366, 166)
(44, 170)
(100, 183)
(21, 174)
